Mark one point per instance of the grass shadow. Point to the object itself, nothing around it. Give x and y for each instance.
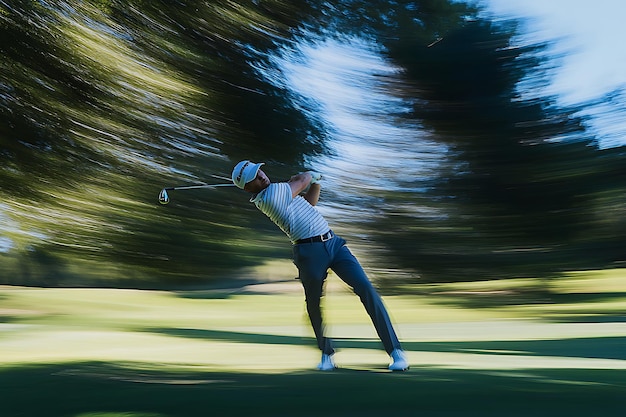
(495, 299)
(237, 337)
(588, 317)
(591, 347)
(105, 389)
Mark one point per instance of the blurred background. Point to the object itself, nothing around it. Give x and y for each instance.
(458, 140)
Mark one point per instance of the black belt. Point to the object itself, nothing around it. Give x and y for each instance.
(321, 238)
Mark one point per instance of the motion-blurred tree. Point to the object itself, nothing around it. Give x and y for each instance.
(104, 102)
(525, 175)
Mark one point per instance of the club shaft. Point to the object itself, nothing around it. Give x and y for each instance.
(189, 187)
(219, 177)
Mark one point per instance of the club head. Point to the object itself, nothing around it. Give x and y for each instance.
(163, 197)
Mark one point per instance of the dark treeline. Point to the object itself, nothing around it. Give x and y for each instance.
(104, 102)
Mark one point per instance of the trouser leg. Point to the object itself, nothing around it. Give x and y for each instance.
(313, 292)
(312, 261)
(348, 268)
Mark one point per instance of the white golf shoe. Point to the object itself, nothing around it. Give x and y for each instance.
(327, 363)
(399, 361)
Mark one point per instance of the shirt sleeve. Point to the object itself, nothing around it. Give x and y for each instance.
(274, 202)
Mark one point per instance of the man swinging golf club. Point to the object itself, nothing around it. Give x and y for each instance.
(315, 250)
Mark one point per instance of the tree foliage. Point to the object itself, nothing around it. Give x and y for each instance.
(104, 102)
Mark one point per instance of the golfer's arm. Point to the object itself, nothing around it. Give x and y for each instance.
(300, 182)
(313, 194)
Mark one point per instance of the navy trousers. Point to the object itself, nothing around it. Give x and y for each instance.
(313, 261)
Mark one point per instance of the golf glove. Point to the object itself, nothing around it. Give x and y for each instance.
(316, 177)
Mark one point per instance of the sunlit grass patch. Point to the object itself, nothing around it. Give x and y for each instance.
(589, 293)
(269, 332)
(112, 352)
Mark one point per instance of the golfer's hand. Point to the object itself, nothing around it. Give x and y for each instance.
(316, 177)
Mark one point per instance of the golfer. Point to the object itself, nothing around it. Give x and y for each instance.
(316, 249)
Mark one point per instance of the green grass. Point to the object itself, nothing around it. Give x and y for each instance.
(502, 348)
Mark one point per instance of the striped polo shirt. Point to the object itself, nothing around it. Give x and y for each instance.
(294, 215)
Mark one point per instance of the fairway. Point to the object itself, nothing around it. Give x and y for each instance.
(476, 349)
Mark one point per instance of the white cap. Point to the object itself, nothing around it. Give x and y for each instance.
(244, 172)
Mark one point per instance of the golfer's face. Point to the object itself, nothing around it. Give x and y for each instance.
(260, 182)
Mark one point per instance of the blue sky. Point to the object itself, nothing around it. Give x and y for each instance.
(591, 35)
(594, 37)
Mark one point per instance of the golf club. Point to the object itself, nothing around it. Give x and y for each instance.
(164, 197)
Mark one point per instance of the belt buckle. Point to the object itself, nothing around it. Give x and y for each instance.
(324, 238)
